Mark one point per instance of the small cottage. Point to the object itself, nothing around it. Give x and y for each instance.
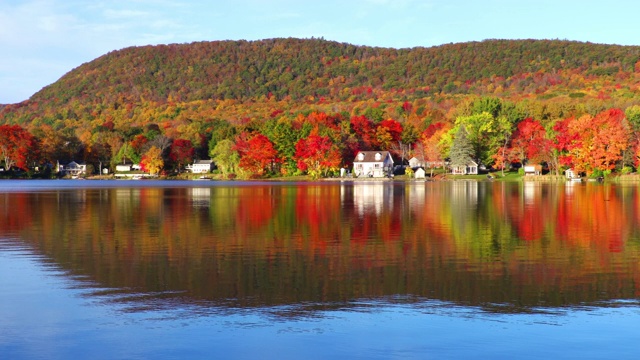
(471, 168)
(420, 174)
(532, 170)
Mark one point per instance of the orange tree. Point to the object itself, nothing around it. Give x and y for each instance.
(599, 141)
(257, 154)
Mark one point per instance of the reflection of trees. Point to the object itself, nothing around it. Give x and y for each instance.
(476, 243)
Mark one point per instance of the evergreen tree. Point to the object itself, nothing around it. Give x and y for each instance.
(461, 152)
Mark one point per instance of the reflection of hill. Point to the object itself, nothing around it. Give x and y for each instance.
(474, 243)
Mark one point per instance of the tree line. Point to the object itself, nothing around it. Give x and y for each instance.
(488, 130)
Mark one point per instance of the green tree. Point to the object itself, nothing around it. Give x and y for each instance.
(225, 157)
(220, 130)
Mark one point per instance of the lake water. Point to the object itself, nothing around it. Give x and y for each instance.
(379, 270)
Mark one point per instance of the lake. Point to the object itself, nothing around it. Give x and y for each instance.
(354, 270)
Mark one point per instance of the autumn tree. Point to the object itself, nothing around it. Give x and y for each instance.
(388, 132)
(365, 131)
(528, 142)
(152, 161)
(257, 154)
(181, 152)
(17, 146)
(599, 142)
(430, 148)
(317, 155)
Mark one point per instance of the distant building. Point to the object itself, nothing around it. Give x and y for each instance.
(72, 169)
(414, 162)
(201, 166)
(128, 167)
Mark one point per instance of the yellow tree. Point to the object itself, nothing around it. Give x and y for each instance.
(151, 161)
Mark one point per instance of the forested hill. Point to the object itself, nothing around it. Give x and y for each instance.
(298, 68)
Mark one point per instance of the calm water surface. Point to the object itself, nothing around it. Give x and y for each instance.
(147, 269)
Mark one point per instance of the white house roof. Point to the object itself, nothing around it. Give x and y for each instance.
(203, 162)
(370, 156)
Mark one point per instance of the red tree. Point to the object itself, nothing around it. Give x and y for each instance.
(17, 146)
(365, 131)
(317, 154)
(257, 155)
(393, 128)
(182, 152)
(528, 142)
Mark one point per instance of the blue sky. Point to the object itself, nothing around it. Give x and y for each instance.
(41, 40)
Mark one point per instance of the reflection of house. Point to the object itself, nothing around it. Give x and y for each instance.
(201, 166)
(200, 196)
(73, 169)
(370, 198)
(532, 170)
(372, 164)
(470, 168)
(464, 193)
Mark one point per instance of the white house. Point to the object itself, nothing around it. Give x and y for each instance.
(420, 174)
(201, 166)
(532, 170)
(372, 164)
(470, 168)
(414, 162)
(128, 167)
(572, 175)
(73, 169)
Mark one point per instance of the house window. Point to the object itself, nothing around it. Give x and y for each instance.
(361, 156)
(378, 156)
(359, 166)
(377, 166)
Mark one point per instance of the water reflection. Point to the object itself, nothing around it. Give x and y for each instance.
(504, 247)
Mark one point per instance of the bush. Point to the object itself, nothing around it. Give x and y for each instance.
(408, 171)
(626, 170)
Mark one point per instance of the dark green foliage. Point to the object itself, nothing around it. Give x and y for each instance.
(461, 152)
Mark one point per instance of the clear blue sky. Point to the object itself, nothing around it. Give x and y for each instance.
(41, 40)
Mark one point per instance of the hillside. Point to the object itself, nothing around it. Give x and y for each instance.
(295, 69)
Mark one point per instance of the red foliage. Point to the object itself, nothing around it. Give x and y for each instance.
(316, 154)
(406, 106)
(257, 155)
(182, 152)
(529, 141)
(138, 142)
(394, 128)
(17, 146)
(365, 130)
(432, 129)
